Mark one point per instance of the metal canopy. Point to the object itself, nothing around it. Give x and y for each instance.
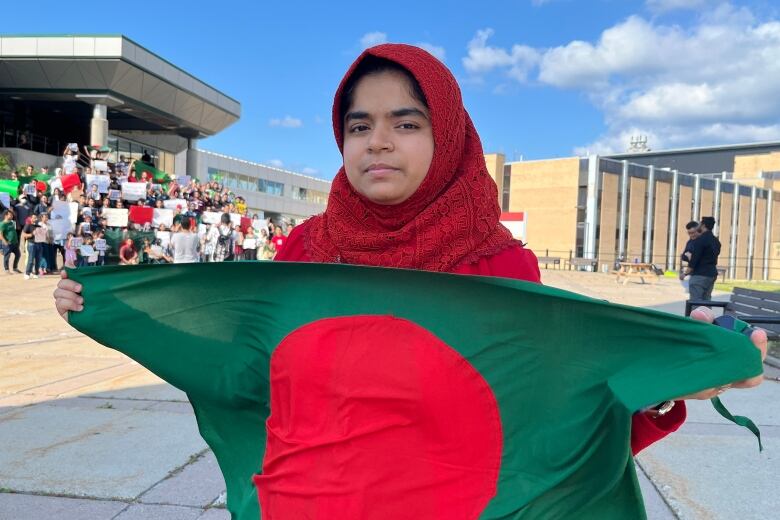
(144, 92)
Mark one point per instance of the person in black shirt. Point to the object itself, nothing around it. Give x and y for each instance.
(704, 260)
(693, 230)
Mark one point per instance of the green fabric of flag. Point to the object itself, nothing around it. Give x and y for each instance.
(159, 176)
(334, 391)
(10, 187)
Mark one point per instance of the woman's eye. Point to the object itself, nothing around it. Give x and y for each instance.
(408, 126)
(357, 128)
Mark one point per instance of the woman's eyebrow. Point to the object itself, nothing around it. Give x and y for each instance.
(399, 112)
(411, 111)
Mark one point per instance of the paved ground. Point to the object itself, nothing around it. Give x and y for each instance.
(88, 434)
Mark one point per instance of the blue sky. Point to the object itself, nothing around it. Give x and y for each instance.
(540, 78)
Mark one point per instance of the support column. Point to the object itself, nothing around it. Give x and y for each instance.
(716, 207)
(734, 233)
(671, 248)
(623, 217)
(649, 214)
(98, 135)
(591, 207)
(696, 198)
(768, 232)
(752, 233)
(192, 159)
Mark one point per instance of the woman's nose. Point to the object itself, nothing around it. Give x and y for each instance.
(380, 140)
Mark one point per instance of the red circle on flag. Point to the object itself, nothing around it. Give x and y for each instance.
(374, 417)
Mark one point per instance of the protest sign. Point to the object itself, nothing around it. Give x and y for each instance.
(162, 216)
(210, 217)
(183, 180)
(133, 191)
(76, 242)
(114, 194)
(100, 166)
(63, 218)
(102, 181)
(115, 217)
(174, 203)
(164, 237)
(5, 200)
(30, 189)
(86, 250)
(100, 244)
(235, 219)
(122, 179)
(250, 243)
(86, 228)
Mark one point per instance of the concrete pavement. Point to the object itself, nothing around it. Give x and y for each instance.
(88, 434)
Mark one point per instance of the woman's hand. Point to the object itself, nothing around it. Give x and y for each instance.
(759, 340)
(67, 296)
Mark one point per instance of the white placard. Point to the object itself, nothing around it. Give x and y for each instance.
(164, 237)
(103, 182)
(115, 217)
(250, 243)
(30, 189)
(100, 244)
(85, 228)
(173, 203)
(76, 242)
(65, 210)
(210, 217)
(235, 219)
(183, 180)
(86, 250)
(5, 198)
(133, 191)
(162, 216)
(99, 165)
(122, 179)
(114, 194)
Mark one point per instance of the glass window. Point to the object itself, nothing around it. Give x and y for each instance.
(270, 187)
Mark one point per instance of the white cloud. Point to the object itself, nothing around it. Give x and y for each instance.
(372, 38)
(436, 50)
(663, 6)
(482, 58)
(286, 122)
(276, 163)
(310, 171)
(715, 81)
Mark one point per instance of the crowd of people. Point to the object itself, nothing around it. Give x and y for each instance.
(30, 222)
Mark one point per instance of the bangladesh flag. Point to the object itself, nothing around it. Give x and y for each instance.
(10, 187)
(334, 391)
(159, 176)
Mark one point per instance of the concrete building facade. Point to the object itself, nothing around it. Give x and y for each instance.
(606, 209)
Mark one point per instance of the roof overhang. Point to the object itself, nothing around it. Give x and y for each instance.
(134, 83)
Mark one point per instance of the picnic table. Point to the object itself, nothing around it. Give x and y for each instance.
(641, 270)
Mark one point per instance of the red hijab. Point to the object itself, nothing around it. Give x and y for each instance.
(452, 218)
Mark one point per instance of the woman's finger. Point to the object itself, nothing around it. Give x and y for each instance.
(67, 295)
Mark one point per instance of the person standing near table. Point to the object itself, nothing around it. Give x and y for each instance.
(702, 265)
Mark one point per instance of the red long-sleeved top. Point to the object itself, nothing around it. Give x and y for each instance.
(521, 264)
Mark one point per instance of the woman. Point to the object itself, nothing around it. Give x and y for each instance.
(414, 192)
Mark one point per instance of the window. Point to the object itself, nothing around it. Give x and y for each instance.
(270, 187)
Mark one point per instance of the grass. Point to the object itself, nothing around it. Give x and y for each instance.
(744, 284)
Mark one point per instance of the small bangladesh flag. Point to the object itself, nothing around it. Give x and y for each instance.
(334, 391)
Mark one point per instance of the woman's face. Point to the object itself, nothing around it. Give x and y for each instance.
(388, 140)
